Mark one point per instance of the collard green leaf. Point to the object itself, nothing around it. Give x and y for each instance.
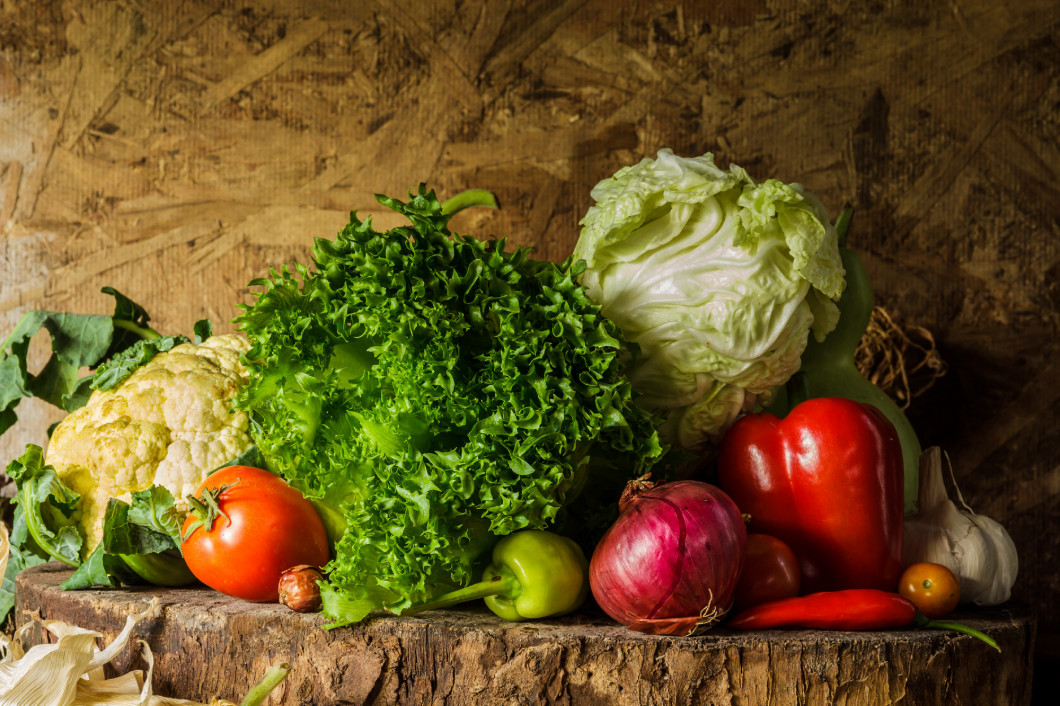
(77, 340)
(130, 321)
(140, 544)
(18, 560)
(123, 535)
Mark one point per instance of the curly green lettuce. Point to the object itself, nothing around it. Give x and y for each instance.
(430, 392)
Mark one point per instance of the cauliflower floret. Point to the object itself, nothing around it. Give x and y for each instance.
(170, 423)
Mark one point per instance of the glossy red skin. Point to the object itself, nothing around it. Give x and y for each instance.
(828, 481)
(272, 529)
(770, 573)
(852, 609)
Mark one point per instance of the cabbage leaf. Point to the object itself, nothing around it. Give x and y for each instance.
(718, 278)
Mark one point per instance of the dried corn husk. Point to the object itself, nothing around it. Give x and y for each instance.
(69, 671)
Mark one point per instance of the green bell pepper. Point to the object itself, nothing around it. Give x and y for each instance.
(828, 368)
(535, 574)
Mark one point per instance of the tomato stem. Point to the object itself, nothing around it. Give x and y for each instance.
(207, 509)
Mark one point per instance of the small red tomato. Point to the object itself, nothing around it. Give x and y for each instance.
(261, 527)
(932, 588)
(770, 572)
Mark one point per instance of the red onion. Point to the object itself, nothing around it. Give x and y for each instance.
(670, 563)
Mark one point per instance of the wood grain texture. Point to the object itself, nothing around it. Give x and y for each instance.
(205, 644)
(178, 148)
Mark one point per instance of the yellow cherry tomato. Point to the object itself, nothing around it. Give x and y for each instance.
(932, 588)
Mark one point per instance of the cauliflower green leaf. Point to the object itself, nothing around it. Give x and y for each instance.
(77, 341)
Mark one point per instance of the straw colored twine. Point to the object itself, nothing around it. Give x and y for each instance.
(904, 363)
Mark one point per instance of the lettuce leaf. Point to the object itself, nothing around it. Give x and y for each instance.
(430, 392)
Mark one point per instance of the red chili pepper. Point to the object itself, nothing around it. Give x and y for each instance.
(826, 480)
(850, 609)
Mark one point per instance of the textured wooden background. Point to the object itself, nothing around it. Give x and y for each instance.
(175, 149)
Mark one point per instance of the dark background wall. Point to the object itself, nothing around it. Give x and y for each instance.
(176, 149)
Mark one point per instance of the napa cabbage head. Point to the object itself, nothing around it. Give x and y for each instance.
(718, 278)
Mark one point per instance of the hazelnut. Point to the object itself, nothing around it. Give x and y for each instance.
(299, 590)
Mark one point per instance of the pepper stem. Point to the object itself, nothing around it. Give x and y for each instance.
(503, 584)
(922, 621)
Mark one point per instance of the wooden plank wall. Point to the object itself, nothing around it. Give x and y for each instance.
(175, 149)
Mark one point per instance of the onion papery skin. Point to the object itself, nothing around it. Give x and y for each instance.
(670, 563)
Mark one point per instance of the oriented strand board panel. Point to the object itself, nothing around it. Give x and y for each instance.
(176, 149)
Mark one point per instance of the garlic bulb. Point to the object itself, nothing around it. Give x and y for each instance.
(977, 549)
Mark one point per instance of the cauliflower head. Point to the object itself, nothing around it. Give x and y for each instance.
(170, 423)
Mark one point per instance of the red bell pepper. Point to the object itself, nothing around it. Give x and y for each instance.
(827, 480)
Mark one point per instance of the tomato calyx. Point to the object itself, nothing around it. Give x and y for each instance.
(206, 508)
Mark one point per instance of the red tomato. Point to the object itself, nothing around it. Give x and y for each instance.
(271, 528)
(932, 588)
(770, 572)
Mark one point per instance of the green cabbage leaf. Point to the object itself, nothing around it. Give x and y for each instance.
(430, 392)
(718, 278)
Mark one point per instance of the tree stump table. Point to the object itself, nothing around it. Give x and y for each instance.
(206, 644)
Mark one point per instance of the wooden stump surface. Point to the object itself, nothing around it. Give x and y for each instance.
(206, 644)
